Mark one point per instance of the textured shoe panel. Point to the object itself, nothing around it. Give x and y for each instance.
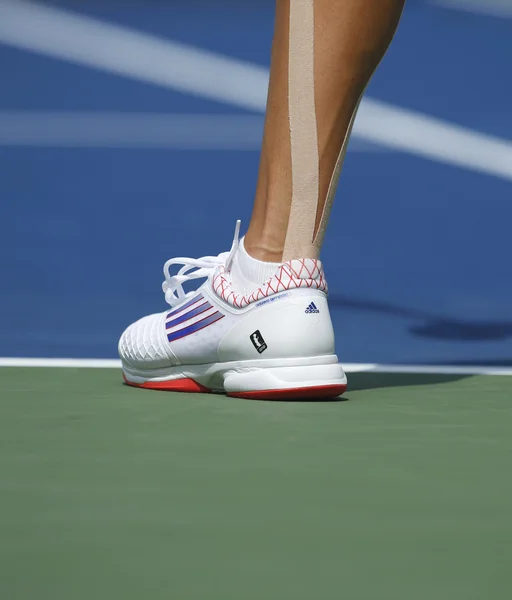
(201, 347)
(295, 274)
(142, 344)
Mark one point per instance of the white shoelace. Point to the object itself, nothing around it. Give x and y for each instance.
(173, 284)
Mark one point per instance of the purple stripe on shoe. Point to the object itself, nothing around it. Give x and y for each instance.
(189, 315)
(185, 306)
(181, 333)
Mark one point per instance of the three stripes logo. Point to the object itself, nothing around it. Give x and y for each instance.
(312, 309)
(193, 316)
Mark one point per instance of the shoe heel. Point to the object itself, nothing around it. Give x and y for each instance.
(280, 383)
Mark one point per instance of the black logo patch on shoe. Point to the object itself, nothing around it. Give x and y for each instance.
(258, 342)
(312, 309)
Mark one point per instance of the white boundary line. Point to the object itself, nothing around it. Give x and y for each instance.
(106, 363)
(123, 51)
(78, 129)
(82, 40)
(428, 137)
(131, 130)
(492, 8)
(62, 363)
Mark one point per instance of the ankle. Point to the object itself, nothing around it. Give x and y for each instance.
(263, 249)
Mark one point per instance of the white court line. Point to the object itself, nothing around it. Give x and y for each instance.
(105, 363)
(138, 130)
(493, 8)
(62, 363)
(123, 51)
(94, 43)
(409, 131)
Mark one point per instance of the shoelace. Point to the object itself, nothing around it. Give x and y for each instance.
(173, 284)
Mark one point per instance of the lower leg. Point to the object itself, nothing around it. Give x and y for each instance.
(323, 56)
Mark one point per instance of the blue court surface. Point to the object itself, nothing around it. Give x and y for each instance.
(120, 148)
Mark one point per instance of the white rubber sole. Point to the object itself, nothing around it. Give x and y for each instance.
(313, 377)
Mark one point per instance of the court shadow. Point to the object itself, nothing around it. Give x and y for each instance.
(372, 381)
(306, 400)
(429, 325)
(366, 381)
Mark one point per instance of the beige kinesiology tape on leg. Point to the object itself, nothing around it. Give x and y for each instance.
(320, 234)
(303, 131)
(301, 239)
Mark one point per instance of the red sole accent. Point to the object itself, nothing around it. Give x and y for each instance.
(175, 385)
(321, 391)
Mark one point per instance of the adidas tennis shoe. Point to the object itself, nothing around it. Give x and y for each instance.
(277, 342)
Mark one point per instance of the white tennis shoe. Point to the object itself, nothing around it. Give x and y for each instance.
(277, 342)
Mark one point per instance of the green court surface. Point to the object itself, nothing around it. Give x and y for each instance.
(402, 491)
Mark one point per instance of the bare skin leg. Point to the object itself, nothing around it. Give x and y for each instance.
(350, 39)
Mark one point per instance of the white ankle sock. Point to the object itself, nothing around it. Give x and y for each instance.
(248, 273)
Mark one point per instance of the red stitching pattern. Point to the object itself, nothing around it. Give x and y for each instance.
(300, 273)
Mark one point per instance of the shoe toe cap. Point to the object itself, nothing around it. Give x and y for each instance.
(142, 344)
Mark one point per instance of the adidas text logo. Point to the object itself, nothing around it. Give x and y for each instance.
(311, 309)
